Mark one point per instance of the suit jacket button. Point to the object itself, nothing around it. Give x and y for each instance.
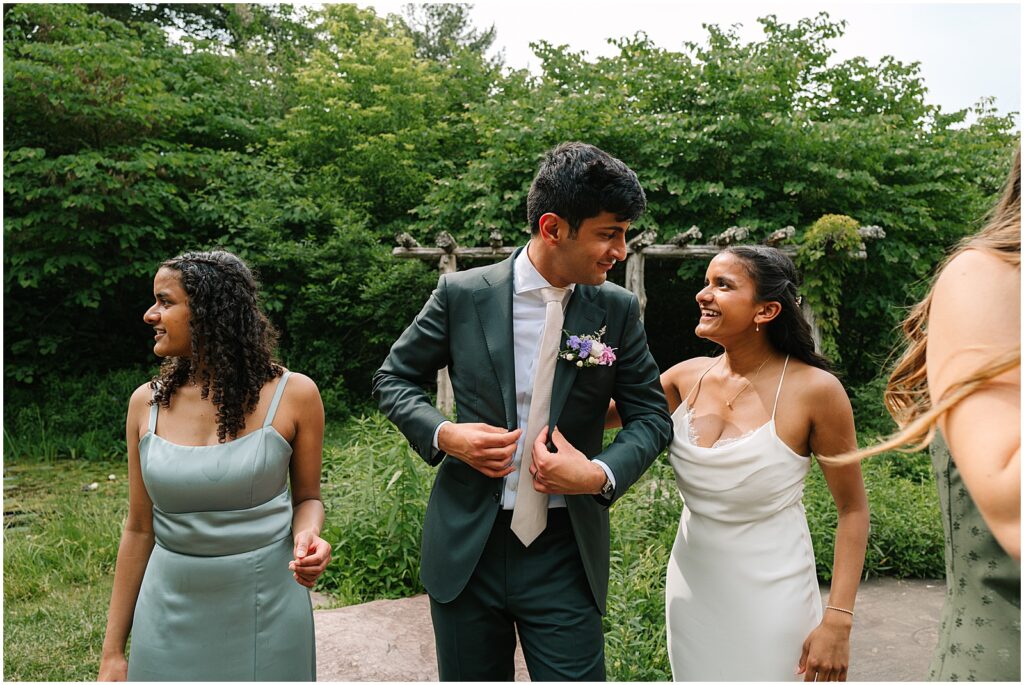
(497, 497)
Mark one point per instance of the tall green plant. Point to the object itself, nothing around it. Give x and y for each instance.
(824, 257)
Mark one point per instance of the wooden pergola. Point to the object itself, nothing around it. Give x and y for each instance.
(639, 248)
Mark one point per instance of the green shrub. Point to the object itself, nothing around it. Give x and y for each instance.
(643, 528)
(906, 539)
(869, 411)
(874, 423)
(375, 493)
(74, 418)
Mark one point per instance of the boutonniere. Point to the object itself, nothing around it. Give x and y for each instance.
(587, 350)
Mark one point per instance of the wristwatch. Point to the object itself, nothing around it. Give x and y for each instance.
(607, 490)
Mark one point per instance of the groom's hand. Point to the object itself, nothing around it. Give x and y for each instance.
(567, 471)
(486, 448)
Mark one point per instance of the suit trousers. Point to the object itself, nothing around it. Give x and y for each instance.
(542, 591)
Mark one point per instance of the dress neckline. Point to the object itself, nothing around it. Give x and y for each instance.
(154, 412)
(258, 431)
(687, 413)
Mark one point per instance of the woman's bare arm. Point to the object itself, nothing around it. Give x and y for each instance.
(312, 553)
(827, 649)
(133, 553)
(974, 318)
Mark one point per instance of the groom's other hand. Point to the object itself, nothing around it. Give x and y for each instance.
(566, 471)
(488, 449)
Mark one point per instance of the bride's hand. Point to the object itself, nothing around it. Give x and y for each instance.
(826, 652)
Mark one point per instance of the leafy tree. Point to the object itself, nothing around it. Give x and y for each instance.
(304, 139)
(762, 134)
(442, 30)
(110, 130)
(235, 25)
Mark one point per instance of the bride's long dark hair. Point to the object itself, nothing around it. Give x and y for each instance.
(776, 280)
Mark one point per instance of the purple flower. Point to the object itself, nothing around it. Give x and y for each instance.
(587, 350)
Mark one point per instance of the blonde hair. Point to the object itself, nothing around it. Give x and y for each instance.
(906, 395)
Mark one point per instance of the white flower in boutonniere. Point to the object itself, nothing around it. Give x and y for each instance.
(587, 350)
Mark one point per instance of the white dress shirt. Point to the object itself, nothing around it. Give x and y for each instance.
(527, 327)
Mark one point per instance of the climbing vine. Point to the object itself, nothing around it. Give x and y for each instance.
(824, 259)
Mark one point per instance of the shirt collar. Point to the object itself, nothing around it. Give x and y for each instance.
(526, 278)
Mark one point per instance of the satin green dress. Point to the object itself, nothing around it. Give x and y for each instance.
(218, 601)
(979, 637)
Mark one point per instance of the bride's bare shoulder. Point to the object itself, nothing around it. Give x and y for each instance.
(816, 385)
(686, 373)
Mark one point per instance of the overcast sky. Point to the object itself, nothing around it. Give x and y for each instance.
(966, 50)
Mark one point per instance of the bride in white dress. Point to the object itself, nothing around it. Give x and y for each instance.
(741, 595)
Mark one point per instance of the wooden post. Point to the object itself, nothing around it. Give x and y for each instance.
(446, 265)
(808, 313)
(635, 279)
(635, 267)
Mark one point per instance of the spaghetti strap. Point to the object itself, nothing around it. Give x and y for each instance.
(686, 398)
(153, 411)
(777, 392)
(277, 399)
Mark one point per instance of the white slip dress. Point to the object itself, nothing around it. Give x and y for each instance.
(741, 593)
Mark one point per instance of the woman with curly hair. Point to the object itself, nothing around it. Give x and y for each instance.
(960, 374)
(216, 553)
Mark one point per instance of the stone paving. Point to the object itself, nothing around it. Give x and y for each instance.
(893, 636)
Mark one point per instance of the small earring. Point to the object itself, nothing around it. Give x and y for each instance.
(757, 328)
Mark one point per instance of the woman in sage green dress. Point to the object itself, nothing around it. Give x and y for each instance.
(961, 374)
(217, 553)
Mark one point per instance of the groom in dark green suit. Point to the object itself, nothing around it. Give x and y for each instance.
(489, 569)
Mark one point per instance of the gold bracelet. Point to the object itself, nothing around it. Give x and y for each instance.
(845, 611)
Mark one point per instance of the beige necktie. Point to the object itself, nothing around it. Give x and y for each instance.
(530, 516)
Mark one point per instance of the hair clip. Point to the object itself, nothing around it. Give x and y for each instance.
(799, 300)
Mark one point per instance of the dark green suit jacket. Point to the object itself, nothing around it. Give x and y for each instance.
(466, 325)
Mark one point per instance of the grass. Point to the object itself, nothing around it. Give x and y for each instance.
(60, 544)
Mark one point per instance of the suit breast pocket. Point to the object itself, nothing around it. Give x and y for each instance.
(592, 390)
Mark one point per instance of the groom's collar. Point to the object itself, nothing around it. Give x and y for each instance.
(525, 276)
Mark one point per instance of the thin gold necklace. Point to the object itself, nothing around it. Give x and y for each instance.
(750, 382)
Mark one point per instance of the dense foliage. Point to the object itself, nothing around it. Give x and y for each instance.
(305, 139)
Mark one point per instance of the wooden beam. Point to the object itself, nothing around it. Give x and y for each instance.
(678, 252)
(460, 252)
(656, 251)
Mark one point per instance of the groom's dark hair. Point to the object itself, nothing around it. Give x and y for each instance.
(578, 181)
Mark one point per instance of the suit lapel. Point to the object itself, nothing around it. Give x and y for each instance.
(494, 310)
(582, 316)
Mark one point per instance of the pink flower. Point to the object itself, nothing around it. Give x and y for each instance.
(587, 350)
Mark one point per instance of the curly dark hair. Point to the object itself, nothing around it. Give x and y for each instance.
(232, 340)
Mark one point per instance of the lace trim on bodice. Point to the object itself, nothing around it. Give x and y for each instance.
(691, 433)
